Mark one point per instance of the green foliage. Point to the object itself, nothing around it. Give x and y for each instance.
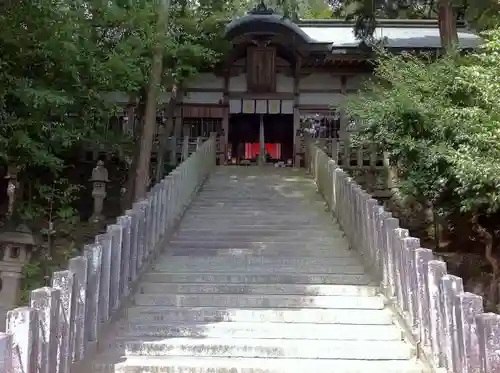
(32, 279)
(57, 61)
(480, 14)
(60, 60)
(439, 121)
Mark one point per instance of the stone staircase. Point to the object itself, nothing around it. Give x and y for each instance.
(257, 279)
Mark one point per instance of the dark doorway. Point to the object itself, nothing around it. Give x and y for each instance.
(243, 135)
(278, 129)
(243, 128)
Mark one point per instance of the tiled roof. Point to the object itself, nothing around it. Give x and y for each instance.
(401, 34)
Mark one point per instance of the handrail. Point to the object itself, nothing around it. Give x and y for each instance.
(65, 322)
(447, 325)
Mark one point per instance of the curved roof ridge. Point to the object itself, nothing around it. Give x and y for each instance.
(261, 14)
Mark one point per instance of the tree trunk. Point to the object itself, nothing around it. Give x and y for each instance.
(148, 129)
(175, 98)
(447, 24)
(129, 192)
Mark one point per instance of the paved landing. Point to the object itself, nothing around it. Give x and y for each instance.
(258, 279)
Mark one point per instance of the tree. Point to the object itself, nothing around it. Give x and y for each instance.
(439, 121)
(193, 40)
(365, 13)
(59, 60)
(149, 123)
(481, 15)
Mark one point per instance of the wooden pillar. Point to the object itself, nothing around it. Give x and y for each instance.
(262, 141)
(296, 117)
(343, 118)
(225, 120)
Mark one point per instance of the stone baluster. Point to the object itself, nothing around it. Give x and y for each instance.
(115, 233)
(104, 240)
(46, 301)
(164, 206)
(371, 232)
(93, 253)
(63, 325)
(139, 211)
(378, 217)
(64, 281)
(422, 259)
(450, 287)
(390, 225)
(410, 245)
(134, 216)
(151, 198)
(488, 329)
(149, 225)
(468, 307)
(22, 325)
(78, 266)
(397, 242)
(125, 223)
(436, 271)
(157, 211)
(5, 353)
(450, 325)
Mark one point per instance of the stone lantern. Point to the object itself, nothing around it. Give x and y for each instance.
(15, 249)
(99, 180)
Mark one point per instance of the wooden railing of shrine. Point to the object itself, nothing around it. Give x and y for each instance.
(350, 155)
(446, 324)
(178, 146)
(65, 322)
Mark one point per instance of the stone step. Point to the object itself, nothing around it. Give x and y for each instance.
(317, 230)
(329, 239)
(259, 278)
(265, 348)
(338, 253)
(274, 215)
(203, 205)
(241, 209)
(144, 314)
(293, 246)
(174, 267)
(261, 289)
(250, 230)
(235, 260)
(261, 331)
(259, 301)
(211, 226)
(177, 364)
(195, 220)
(257, 230)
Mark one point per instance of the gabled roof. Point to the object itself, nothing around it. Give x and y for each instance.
(263, 19)
(338, 34)
(399, 34)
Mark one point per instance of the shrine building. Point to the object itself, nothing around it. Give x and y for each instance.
(280, 76)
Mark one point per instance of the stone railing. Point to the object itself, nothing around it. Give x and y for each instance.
(446, 324)
(66, 321)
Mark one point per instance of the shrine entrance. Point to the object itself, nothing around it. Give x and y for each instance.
(244, 137)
